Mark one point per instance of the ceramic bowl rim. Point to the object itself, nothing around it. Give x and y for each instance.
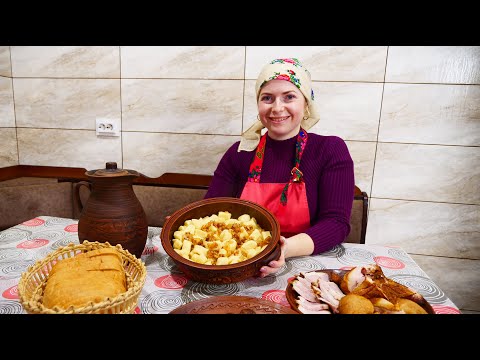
(168, 246)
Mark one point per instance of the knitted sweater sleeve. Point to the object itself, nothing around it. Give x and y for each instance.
(331, 223)
(225, 178)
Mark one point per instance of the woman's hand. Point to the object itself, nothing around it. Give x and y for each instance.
(275, 265)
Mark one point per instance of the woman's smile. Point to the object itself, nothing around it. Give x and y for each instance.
(278, 120)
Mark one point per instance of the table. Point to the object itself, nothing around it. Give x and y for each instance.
(166, 287)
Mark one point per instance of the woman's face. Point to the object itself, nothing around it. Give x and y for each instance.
(281, 107)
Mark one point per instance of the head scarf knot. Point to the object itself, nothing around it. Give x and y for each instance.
(292, 70)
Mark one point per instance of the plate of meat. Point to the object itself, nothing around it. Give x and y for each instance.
(360, 290)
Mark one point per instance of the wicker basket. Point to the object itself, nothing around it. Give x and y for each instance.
(32, 282)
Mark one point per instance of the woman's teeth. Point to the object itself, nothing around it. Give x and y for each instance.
(277, 120)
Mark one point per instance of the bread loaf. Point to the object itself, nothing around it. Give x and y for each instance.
(409, 307)
(93, 276)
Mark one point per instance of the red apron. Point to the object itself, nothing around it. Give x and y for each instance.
(287, 201)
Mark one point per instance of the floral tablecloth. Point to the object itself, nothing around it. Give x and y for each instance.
(166, 288)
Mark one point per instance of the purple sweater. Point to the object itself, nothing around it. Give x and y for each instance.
(328, 173)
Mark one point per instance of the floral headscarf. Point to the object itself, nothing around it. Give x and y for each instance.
(282, 69)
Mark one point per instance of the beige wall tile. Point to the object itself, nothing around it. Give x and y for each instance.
(325, 63)
(183, 106)
(5, 68)
(426, 228)
(434, 64)
(65, 103)
(66, 61)
(457, 278)
(7, 115)
(348, 110)
(432, 114)
(195, 62)
(155, 154)
(363, 155)
(427, 172)
(74, 148)
(8, 147)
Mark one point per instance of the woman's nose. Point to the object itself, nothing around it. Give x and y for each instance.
(277, 105)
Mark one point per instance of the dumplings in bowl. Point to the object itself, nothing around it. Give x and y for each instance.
(242, 234)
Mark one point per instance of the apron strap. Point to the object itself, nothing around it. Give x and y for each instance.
(255, 170)
(296, 174)
(256, 165)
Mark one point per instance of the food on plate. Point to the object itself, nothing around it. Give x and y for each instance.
(382, 303)
(355, 304)
(317, 294)
(88, 277)
(369, 281)
(219, 239)
(360, 290)
(409, 306)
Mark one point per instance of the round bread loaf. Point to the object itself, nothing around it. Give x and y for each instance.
(409, 306)
(355, 304)
(89, 277)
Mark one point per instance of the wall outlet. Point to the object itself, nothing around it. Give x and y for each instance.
(108, 127)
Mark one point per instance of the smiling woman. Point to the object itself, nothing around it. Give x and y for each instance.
(306, 180)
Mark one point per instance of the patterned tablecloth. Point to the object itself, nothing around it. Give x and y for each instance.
(166, 288)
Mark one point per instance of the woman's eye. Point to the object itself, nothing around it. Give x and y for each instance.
(266, 98)
(290, 97)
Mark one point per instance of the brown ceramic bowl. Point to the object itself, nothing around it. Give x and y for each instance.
(222, 274)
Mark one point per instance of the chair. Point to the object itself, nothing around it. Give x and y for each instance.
(358, 218)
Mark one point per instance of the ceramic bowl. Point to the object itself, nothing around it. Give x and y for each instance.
(222, 274)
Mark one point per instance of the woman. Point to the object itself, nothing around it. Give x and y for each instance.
(305, 179)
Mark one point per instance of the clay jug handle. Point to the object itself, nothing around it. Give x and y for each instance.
(77, 193)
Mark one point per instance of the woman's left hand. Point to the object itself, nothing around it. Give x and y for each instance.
(275, 265)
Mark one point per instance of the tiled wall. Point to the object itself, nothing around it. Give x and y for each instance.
(410, 117)
(8, 135)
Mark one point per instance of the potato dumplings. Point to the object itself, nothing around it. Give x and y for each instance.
(220, 240)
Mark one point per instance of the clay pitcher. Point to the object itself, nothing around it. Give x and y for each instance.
(112, 212)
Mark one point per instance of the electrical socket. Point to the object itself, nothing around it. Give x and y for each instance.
(107, 127)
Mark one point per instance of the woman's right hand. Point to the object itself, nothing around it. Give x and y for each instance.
(275, 265)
